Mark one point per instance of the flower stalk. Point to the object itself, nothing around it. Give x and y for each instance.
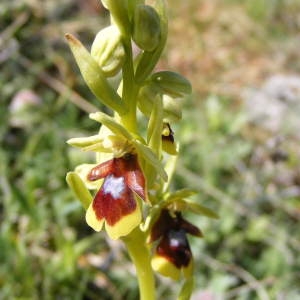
(127, 190)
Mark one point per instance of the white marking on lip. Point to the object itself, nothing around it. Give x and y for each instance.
(114, 186)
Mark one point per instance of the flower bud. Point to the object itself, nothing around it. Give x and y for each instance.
(94, 77)
(171, 107)
(108, 50)
(146, 97)
(146, 27)
(172, 83)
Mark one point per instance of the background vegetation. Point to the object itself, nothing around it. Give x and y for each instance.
(239, 149)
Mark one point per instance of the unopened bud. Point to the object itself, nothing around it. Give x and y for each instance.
(108, 50)
(172, 83)
(146, 97)
(146, 27)
(172, 109)
(171, 106)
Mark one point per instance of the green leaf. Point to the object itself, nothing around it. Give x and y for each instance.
(79, 189)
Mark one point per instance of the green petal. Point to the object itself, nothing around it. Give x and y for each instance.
(82, 171)
(78, 187)
(83, 142)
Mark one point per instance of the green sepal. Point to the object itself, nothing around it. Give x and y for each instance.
(186, 289)
(151, 158)
(170, 169)
(149, 59)
(154, 138)
(145, 152)
(172, 83)
(155, 126)
(79, 189)
(180, 194)
(183, 204)
(151, 218)
(94, 77)
(111, 124)
(146, 27)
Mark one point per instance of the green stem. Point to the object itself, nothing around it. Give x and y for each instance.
(130, 90)
(140, 256)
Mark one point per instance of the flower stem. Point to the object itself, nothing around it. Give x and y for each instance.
(129, 90)
(141, 258)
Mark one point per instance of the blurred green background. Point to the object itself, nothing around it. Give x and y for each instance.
(239, 148)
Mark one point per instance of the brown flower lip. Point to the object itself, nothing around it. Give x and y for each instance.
(122, 179)
(171, 233)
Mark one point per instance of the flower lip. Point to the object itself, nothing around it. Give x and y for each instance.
(166, 222)
(175, 248)
(115, 201)
(173, 252)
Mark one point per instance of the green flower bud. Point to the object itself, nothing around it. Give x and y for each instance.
(172, 109)
(146, 97)
(171, 106)
(149, 59)
(146, 27)
(108, 50)
(172, 83)
(94, 77)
